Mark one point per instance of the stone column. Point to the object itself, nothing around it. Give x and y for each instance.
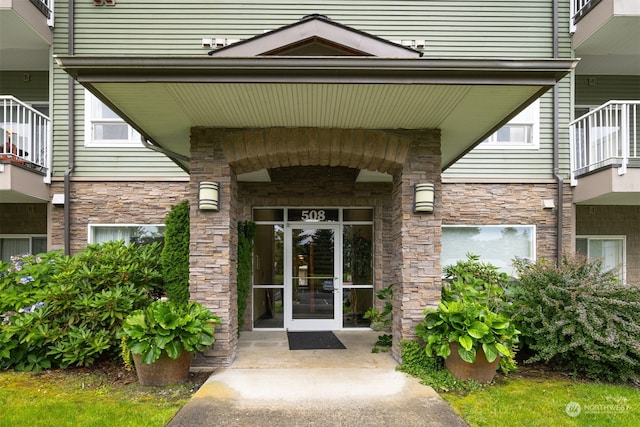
(213, 246)
(416, 238)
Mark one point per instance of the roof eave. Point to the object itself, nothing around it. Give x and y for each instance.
(365, 70)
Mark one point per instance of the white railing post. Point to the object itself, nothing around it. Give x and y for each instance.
(633, 131)
(573, 154)
(624, 131)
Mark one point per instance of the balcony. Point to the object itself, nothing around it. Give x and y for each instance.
(44, 6)
(24, 152)
(606, 34)
(25, 34)
(605, 154)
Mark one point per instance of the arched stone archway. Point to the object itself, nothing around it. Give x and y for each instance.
(250, 150)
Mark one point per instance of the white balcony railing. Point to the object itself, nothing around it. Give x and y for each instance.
(579, 8)
(25, 134)
(606, 137)
(45, 6)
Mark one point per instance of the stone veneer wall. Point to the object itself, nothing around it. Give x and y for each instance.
(614, 221)
(145, 202)
(214, 244)
(517, 204)
(402, 233)
(415, 243)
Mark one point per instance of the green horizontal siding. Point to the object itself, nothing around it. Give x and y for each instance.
(450, 28)
(596, 90)
(27, 86)
(537, 164)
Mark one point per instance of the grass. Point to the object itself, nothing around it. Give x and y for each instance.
(533, 397)
(109, 396)
(86, 397)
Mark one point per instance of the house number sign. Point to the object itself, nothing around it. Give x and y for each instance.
(313, 215)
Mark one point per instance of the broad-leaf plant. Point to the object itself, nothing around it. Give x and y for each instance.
(470, 313)
(166, 326)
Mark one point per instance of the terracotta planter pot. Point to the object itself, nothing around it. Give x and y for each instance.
(163, 371)
(480, 370)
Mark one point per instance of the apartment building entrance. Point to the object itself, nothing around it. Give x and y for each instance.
(313, 268)
(313, 285)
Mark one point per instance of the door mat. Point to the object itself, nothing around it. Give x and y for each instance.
(316, 340)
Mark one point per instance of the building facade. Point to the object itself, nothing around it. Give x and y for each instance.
(371, 143)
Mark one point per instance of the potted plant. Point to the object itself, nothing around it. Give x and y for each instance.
(471, 328)
(163, 337)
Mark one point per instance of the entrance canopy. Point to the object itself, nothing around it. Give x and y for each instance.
(322, 75)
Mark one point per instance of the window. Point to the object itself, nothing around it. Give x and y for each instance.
(103, 127)
(495, 244)
(523, 131)
(130, 233)
(610, 249)
(20, 245)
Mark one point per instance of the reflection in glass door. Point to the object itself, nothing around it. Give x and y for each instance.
(313, 287)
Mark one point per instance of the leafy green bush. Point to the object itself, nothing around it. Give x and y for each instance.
(473, 280)
(430, 370)
(59, 311)
(175, 253)
(579, 317)
(473, 314)
(166, 326)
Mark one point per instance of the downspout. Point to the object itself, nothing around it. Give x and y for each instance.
(556, 141)
(71, 141)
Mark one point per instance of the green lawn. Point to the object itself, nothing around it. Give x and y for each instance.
(86, 398)
(112, 397)
(546, 399)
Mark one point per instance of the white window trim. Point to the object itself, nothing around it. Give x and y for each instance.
(91, 227)
(132, 141)
(621, 237)
(25, 236)
(535, 132)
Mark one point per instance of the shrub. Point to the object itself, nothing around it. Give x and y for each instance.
(430, 370)
(473, 314)
(579, 317)
(61, 311)
(175, 254)
(165, 326)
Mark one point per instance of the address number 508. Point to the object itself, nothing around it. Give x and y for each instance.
(313, 215)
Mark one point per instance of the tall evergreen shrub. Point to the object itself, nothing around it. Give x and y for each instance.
(246, 233)
(579, 317)
(175, 254)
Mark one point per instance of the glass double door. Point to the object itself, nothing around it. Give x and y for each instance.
(313, 288)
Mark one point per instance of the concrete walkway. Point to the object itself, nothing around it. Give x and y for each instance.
(270, 385)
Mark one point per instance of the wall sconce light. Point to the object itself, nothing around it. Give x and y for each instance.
(423, 198)
(209, 196)
(104, 2)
